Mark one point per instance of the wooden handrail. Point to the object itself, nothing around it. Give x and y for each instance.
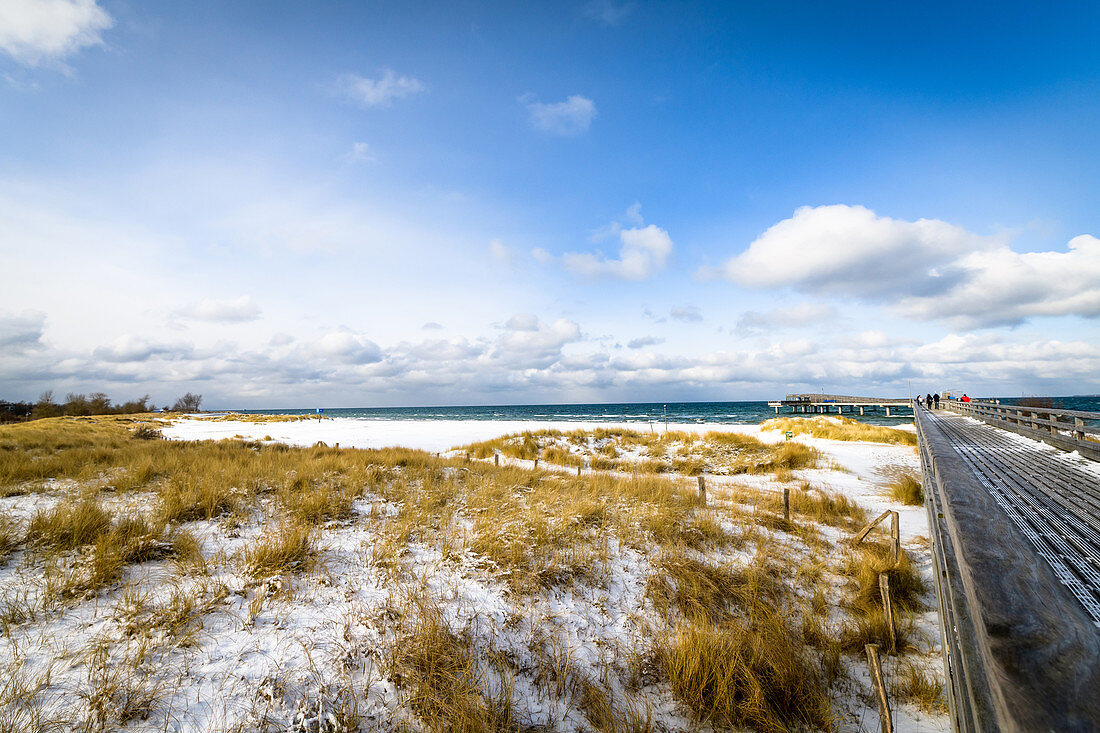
(1068, 434)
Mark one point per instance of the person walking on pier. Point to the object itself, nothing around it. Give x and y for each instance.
(936, 400)
(928, 400)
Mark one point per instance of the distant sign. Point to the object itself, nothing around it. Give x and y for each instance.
(790, 434)
(320, 410)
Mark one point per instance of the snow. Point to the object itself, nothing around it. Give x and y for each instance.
(275, 653)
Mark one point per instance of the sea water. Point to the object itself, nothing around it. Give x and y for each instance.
(747, 413)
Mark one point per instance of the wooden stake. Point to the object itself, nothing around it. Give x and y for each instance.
(467, 456)
(888, 610)
(787, 503)
(496, 459)
(880, 688)
(895, 538)
(536, 464)
(702, 491)
(578, 470)
(866, 530)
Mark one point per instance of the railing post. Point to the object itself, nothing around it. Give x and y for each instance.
(1078, 430)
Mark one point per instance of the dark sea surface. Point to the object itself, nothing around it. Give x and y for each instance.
(639, 412)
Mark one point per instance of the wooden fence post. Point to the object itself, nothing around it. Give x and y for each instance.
(1078, 431)
(895, 538)
(885, 719)
(787, 503)
(702, 491)
(888, 610)
(536, 464)
(496, 460)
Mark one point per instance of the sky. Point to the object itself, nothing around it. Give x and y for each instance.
(385, 204)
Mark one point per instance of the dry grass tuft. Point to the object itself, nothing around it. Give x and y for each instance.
(913, 684)
(840, 428)
(754, 675)
(11, 536)
(68, 526)
(444, 682)
(907, 489)
(288, 548)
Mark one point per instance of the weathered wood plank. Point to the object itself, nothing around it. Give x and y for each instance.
(1036, 647)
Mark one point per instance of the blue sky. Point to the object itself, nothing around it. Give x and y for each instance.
(359, 204)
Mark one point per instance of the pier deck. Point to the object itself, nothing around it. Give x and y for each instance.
(1016, 541)
(825, 403)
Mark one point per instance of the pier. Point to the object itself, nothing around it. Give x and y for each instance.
(1015, 540)
(825, 403)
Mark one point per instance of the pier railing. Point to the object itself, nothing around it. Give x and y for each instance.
(1066, 429)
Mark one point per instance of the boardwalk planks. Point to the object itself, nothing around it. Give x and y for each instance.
(1024, 655)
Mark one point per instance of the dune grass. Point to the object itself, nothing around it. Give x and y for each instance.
(840, 428)
(907, 489)
(733, 641)
(684, 453)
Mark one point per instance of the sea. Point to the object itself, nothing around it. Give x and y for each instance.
(747, 413)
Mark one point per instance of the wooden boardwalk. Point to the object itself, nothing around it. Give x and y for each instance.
(826, 403)
(1016, 540)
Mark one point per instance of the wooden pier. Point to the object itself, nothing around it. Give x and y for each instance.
(1015, 531)
(826, 403)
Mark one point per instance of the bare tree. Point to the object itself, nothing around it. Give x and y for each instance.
(188, 403)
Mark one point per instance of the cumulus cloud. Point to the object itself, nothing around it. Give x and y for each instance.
(228, 310)
(529, 342)
(21, 332)
(347, 347)
(380, 92)
(34, 31)
(644, 341)
(131, 348)
(432, 326)
(686, 313)
(643, 253)
(1003, 287)
(803, 314)
(849, 249)
(532, 359)
(926, 269)
(568, 118)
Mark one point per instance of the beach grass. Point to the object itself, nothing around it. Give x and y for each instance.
(840, 428)
(722, 623)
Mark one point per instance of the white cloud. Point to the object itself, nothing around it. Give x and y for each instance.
(925, 269)
(1003, 287)
(644, 251)
(33, 31)
(643, 341)
(432, 326)
(380, 92)
(632, 217)
(528, 342)
(541, 256)
(131, 348)
(850, 250)
(348, 348)
(500, 251)
(21, 332)
(803, 314)
(686, 313)
(360, 153)
(230, 310)
(568, 118)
